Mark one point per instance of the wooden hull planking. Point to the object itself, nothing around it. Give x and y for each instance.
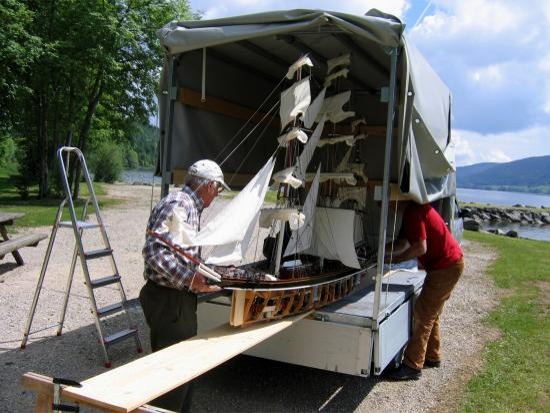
(253, 305)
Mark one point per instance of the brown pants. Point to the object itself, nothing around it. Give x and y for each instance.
(426, 339)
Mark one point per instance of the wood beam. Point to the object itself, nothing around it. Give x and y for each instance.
(193, 98)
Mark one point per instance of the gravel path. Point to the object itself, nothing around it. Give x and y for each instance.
(241, 384)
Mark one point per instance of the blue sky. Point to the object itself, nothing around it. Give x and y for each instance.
(493, 55)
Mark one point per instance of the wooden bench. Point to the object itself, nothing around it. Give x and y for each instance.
(26, 240)
(11, 245)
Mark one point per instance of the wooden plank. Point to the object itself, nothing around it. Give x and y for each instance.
(14, 244)
(193, 98)
(7, 218)
(134, 384)
(43, 387)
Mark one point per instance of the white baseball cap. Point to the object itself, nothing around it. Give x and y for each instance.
(207, 169)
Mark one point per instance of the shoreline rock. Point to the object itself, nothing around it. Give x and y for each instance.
(476, 217)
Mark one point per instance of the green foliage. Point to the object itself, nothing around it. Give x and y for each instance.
(19, 48)
(106, 162)
(517, 366)
(524, 175)
(83, 69)
(41, 212)
(131, 160)
(144, 140)
(8, 151)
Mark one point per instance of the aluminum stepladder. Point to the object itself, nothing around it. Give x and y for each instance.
(92, 285)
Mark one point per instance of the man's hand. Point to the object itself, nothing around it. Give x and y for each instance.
(199, 284)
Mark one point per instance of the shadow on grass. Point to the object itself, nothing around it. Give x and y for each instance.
(243, 383)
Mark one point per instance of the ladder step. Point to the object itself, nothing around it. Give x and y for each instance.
(79, 224)
(121, 335)
(109, 309)
(98, 253)
(102, 282)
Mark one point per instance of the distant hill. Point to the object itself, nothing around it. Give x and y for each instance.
(524, 175)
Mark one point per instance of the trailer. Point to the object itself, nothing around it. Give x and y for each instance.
(216, 73)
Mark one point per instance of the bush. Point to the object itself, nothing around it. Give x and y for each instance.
(8, 151)
(106, 162)
(132, 161)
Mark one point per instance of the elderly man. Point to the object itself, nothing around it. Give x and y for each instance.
(169, 297)
(425, 236)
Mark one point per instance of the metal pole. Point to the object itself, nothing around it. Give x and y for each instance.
(385, 189)
(168, 129)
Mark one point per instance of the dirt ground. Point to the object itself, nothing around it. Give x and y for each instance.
(241, 384)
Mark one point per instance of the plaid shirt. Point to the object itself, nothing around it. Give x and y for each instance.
(163, 266)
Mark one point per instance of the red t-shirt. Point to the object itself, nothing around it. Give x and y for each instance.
(422, 222)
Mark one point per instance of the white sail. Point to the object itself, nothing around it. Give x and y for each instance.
(309, 149)
(294, 217)
(350, 140)
(286, 176)
(301, 238)
(231, 224)
(332, 107)
(297, 65)
(343, 60)
(295, 133)
(351, 167)
(294, 101)
(335, 75)
(334, 233)
(314, 109)
(337, 177)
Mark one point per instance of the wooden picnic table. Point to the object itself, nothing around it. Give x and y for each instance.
(12, 245)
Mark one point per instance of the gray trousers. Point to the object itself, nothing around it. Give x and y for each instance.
(172, 317)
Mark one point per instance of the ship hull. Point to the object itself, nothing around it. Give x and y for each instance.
(264, 300)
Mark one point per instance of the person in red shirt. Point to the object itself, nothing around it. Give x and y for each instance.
(425, 236)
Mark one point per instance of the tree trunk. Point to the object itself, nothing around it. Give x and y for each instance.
(43, 146)
(93, 101)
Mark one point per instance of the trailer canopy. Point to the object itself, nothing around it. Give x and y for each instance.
(218, 72)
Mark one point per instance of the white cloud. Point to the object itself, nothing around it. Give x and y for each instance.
(473, 18)
(489, 75)
(473, 147)
(494, 56)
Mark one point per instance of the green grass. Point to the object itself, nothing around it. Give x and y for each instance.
(41, 212)
(517, 366)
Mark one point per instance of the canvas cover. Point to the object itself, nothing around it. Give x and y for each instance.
(246, 55)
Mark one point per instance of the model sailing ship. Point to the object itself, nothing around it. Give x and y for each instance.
(310, 255)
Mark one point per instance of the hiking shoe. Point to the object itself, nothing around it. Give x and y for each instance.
(432, 364)
(404, 372)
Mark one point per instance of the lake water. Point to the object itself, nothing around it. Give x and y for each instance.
(139, 176)
(480, 196)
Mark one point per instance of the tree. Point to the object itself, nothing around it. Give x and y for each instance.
(97, 59)
(18, 50)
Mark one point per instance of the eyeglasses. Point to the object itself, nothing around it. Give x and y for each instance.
(219, 187)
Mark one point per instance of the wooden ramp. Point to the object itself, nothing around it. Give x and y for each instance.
(126, 388)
